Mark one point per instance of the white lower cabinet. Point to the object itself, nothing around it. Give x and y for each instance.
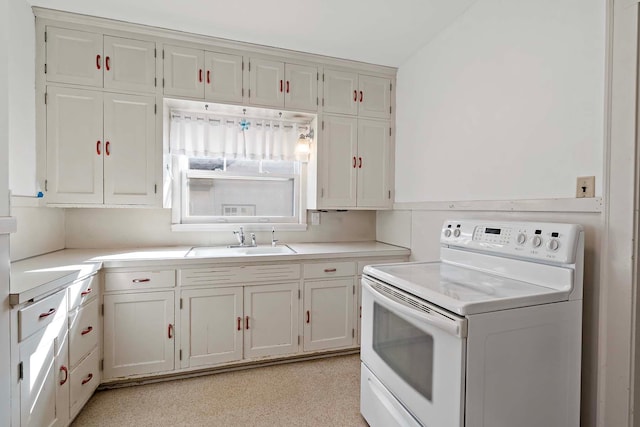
(228, 324)
(138, 334)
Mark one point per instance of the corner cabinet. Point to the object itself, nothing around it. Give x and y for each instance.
(101, 147)
(354, 163)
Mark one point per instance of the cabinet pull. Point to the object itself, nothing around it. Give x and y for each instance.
(208, 76)
(308, 317)
(98, 62)
(170, 331)
(280, 85)
(47, 314)
(355, 96)
(361, 312)
(354, 162)
(106, 148)
(330, 270)
(86, 380)
(141, 280)
(66, 374)
(107, 63)
(98, 148)
(85, 293)
(246, 319)
(200, 75)
(86, 331)
(239, 323)
(360, 96)
(287, 86)
(359, 164)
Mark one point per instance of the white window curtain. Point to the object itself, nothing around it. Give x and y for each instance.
(199, 135)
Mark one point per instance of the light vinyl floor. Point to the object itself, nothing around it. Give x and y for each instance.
(323, 392)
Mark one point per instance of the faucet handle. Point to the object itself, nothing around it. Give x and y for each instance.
(253, 239)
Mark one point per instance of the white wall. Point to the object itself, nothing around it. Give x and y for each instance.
(505, 103)
(40, 230)
(22, 113)
(128, 228)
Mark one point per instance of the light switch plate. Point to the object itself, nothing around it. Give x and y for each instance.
(586, 187)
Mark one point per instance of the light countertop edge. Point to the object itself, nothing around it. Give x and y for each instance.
(40, 276)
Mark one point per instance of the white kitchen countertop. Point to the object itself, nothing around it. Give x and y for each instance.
(40, 276)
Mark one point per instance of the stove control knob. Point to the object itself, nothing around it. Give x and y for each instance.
(447, 233)
(456, 232)
(553, 244)
(522, 238)
(536, 241)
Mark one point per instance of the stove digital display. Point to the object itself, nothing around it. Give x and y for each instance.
(492, 230)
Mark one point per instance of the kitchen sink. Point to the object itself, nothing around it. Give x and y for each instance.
(223, 251)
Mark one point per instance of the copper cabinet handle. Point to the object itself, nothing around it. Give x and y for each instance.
(355, 96)
(86, 331)
(200, 75)
(47, 314)
(106, 148)
(208, 76)
(98, 148)
(66, 374)
(360, 164)
(360, 96)
(239, 323)
(98, 62)
(287, 86)
(361, 312)
(354, 162)
(280, 85)
(86, 380)
(141, 280)
(170, 331)
(107, 63)
(308, 317)
(246, 319)
(330, 270)
(85, 293)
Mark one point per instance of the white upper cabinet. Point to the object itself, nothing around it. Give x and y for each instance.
(356, 94)
(374, 154)
(276, 84)
(195, 73)
(91, 59)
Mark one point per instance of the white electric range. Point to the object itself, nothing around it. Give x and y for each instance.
(488, 336)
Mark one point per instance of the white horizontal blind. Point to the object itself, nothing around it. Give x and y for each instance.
(210, 135)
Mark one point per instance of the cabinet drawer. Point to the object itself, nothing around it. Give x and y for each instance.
(83, 331)
(329, 269)
(39, 314)
(123, 281)
(85, 378)
(362, 264)
(224, 275)
(83, 291)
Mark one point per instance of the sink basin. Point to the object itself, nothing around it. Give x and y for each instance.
(222, 251)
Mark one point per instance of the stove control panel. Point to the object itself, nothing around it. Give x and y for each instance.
(553, 242)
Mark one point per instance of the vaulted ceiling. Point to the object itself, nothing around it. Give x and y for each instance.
(385, 32)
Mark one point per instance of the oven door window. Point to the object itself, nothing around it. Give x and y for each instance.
(405, 349)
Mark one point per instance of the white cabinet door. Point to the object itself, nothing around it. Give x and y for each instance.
(129, 64)
(374, 96)
(328, 314)
(373, 164)
(340, 92)
(138, 334)
(266, 82)
(74, 57)
(74, 146)
(271, 320)
(183, 71)
(338, 162)
(223, 77)
(212, 325)
(301, 87)
(129, 152)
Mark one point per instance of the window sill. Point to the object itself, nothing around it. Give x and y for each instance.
(233, 227)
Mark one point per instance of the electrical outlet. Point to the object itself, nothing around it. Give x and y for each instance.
(586, 187)
(315, 218)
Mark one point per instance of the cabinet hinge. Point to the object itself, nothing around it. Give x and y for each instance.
(323, 120)
(389, 109)
(102, 309)
(298, 339)
(390, 87)
(353, 333)
(317, 101)
(21, 366)
(249, 93)
(162, 53)
(317, 76)
(155, 82)
(155, 52)
(180, 303)
(389, 194)
(163, 82)
(243, 92)
(102, 364)
(249, 66)
(45, 36)
(322, 76)
(298, 293)
(180, 354)
(389, 131)
(155, 188)
(46, 185)
(155, 108)
(323, 102)
(45, 68)
(242, 65)
(322, 193)
(45, 98)
(354, 289)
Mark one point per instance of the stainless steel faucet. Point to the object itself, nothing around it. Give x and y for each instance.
(240, 236)
(241, 239)
(273, 237)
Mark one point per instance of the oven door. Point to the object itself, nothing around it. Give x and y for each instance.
(416, 351)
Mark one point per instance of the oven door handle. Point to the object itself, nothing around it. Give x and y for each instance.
(449, 326)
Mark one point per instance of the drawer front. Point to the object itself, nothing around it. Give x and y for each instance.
(226, 275)
(329, 269)
(39, 314)
(83, 291)
(84, 331)
(85, 378)
(124, 281)
(362, 264)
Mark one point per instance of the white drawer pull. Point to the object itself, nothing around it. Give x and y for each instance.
(141, 280)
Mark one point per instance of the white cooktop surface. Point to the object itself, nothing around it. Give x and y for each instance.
(462, 290)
